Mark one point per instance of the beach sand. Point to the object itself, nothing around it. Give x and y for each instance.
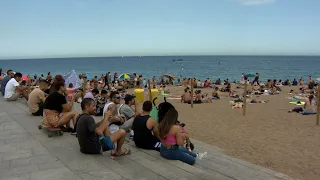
(268, 135)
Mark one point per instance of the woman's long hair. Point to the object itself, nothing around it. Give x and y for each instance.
(169, 120)
(58, 81)
(163, 108)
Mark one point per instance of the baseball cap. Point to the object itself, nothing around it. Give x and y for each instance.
(129, 97)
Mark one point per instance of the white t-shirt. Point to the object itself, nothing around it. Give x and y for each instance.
(10, 88)
(113, 128)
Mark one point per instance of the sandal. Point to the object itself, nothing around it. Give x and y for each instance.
(126, 152)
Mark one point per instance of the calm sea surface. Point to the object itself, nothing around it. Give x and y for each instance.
(273, 67)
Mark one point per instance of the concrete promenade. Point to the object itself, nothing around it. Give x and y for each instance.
(27, 153)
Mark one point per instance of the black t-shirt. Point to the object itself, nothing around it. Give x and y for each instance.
(142, 135)
(55, 101)
(87, 138)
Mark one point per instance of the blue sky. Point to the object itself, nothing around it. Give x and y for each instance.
(68, 28)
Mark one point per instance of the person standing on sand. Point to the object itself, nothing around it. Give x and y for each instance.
(49, 77)
(135, 79)
(95, 82)
(106, 80)
(242, 78)
(95, 138)
(310, 81)
(2, 75)
(154, 81)
(102, 77)
(115, 77)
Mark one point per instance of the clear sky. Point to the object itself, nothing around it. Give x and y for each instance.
(67, 28)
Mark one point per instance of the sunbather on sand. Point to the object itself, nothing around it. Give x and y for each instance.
(227, 88)
(309, 107)
(206, 99)
(239, 103)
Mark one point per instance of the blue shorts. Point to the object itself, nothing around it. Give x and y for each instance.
(106, 144)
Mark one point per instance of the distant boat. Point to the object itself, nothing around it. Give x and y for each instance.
(174, 60)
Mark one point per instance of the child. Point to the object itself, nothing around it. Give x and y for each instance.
(70, 92)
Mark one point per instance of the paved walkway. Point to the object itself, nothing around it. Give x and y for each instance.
(27, 153)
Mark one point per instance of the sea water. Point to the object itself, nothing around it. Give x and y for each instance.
(201, 67)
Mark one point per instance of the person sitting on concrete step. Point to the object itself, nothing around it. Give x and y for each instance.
(95, 138)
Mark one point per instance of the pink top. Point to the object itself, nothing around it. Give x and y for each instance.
(170, 139)
(70, 92)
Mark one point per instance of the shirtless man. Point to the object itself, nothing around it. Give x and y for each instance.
(186, 96)
(95, 82)
(154, 81)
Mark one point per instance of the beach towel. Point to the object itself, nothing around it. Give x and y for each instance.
(296, 103)
(174, 98)
(73, 78)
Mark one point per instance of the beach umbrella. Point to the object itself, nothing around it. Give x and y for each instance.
(170, 76)
(250, 74)
(124, 76)
(24, 77)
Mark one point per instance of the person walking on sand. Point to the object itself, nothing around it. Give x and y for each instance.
(95, 138)
(256, 80)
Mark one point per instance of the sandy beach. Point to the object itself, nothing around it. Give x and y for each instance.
(268, 135)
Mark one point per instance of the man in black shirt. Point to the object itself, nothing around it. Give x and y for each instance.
(94, 138)
(146, 129)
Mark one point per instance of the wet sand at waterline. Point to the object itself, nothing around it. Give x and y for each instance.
(268, 135)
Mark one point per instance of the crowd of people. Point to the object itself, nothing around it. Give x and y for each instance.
(54, 100)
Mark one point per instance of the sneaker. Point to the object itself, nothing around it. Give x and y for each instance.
(131, 134)
(201, 155)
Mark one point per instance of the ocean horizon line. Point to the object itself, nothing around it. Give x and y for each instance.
(171, 56)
